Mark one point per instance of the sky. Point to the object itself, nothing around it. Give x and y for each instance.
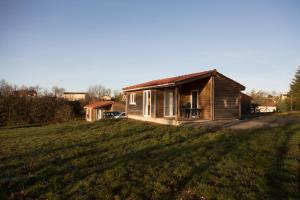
(75, 44)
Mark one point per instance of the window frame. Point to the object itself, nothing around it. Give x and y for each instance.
(132, 98)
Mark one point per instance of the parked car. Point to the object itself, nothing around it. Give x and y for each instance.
(114, 115)
(121, 115)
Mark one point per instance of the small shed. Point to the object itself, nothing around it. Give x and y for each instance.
(95, 110)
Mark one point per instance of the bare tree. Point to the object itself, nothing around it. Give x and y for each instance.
(98, 91)
(57, 91)
(5, 88)
(118, 96)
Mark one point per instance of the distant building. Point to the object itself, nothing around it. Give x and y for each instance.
(74, 96)
(24, 93)
(105, 98)
(270, 105)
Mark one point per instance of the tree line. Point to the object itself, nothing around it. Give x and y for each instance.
(32, 105)
(285, 102)
(293, 100)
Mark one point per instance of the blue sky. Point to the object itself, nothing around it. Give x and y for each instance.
(75, 44)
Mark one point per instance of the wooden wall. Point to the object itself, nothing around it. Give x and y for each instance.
(118, 107)
(159, 103)
(205, 99)
(153, 102)
(138, 108)
(245, 104)
(226, 99)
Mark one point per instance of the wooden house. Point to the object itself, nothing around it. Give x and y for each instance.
(95, 111)
(202, 96)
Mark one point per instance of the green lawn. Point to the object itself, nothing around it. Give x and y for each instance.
(135, 160)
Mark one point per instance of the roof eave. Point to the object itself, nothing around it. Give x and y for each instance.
(149, 87)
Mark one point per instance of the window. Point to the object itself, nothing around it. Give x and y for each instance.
(132, 99)
(170, 103)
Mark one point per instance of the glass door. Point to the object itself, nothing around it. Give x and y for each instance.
(147, 102)
(170, 103)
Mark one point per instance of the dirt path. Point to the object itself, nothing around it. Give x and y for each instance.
(258, 122)
(266, 122)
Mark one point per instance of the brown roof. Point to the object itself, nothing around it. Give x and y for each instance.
(174, 80)
(99, 104)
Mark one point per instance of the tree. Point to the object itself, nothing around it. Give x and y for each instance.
(57, 91)
(294, 94)
(118, 96)
(64, 113)
(17, 107)
(259, 97)
(98, 91)
(5, 88)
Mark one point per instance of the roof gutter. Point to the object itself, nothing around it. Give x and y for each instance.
(150, 87)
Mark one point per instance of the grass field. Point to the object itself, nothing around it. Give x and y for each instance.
(135, 160)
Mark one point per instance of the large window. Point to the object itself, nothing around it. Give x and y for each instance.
(147, 103)
(169, 103)
(132, 99)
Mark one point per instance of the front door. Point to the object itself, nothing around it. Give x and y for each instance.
(147, 103)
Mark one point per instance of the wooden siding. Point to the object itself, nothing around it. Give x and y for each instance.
(245, 104)
(118, 107)
(226, 99)
(153, 102)
(136, 109)
(159, 103)
(205, 100)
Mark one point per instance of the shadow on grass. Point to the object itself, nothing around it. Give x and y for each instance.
(276, 178)
(154, 157)
(20, 126)
(151, 152)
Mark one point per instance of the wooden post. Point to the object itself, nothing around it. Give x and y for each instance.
(177, 96)
(154, 102)
(126, 104)
(240, 105)
(212, 98)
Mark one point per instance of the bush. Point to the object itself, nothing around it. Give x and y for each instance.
(64, 113)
